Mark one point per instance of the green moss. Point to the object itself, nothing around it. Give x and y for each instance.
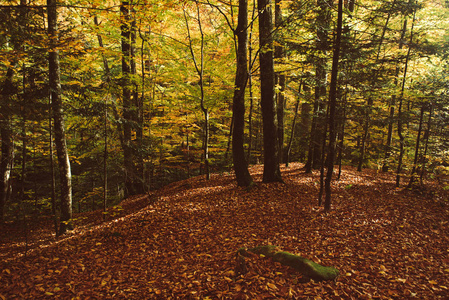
(303, 265)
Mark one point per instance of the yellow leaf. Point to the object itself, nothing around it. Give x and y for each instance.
(48, 294)
(56, 289)
(433, 282)
(103, 283)
(7, 271)
(228, 279)
(98, 244)
(2, 297)
(401, 280)
(272, 286)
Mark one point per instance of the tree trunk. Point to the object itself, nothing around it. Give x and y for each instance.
(128, 156)
(52, 174)
(238, 109)
(200, 71)
(302, 265)
(7, 147)
(418, 140)
(369, 102)
(250, 87)
(332, 109)
(279, 54)
(317, 132)
(65, 174)
(401, 100)
(426, 138)
(292, 134)
(270, 135)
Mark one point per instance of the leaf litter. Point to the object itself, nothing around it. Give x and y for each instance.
(180, 242)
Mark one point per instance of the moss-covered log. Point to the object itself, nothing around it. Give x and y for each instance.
(303, 265)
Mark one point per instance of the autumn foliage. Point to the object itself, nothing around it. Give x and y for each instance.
(180, 243)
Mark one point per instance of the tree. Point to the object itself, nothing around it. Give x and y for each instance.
(238, 109)
(317, 131)
(54, 74)
(7, 148)
(332, 108)
(199, 67)
(280, 78)
(267, 101)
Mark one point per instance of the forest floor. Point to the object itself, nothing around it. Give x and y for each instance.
(181, 242)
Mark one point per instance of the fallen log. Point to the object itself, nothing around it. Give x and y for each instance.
(303, 265)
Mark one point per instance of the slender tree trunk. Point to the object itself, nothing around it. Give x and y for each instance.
(136, 115)
(238, 152)
(292, 135)
(418, 140)
(280, 79)
(332, 109)
(369, 102)
(270, 135)
(7, 146)
(58, 117)
(250, 87)
(342, 136)
(52, 172)
(426, 138)
(317, 132)
(401, 100)
(322, 160)
(200, 71)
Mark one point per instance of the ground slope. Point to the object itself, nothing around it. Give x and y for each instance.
(388, 243)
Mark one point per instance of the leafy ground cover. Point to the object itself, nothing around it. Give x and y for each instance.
(180, 242)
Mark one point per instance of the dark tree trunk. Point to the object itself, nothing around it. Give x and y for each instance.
(418, 140)
(52, 174)
(401, 100)
(292, 135)
(317, 132)
(279, 54)
(250, 87)
(332, 109)
(65, 175)
(200, 71)
(238, 152)
(270, 135)
(128, 153)
(426, 138)
(7, 147)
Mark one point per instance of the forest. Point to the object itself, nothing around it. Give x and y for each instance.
(326, 119)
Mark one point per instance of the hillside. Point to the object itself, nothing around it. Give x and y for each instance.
(181, 243)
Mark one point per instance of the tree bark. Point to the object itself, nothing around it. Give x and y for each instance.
(270, 135)
(302, 265)
(279, 54)
(128, 153)
(238, 109)
(317, 132)
(65, 175)
(7, 147)
(292, 134)
(200, 71)
(417, 145)
(332, 109)
(426, 138)
(401, 100)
